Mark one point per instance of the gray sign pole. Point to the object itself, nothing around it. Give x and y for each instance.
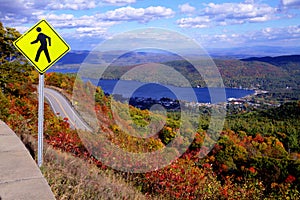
(41, 120)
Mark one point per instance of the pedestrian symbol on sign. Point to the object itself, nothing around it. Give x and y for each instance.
(42, 38)
(42, 46)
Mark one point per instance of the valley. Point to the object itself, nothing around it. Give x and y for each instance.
(247, 149)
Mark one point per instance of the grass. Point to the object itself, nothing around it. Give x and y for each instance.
(74, 178)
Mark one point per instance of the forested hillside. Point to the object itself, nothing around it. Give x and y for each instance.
(284, 87)
(257, 155)
(279, 75)
(281, 61)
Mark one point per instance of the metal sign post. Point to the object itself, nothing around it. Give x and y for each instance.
(41, 120)
(54, 48)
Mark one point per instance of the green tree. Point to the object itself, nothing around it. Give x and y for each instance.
(14, 78)
(7, 50)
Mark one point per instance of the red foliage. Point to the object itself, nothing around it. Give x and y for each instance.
(290, 179)
(206, 165)
(224, 168)
(70, 142)
(67, 142)
(180, 180)
(258, 138)
(224, 192)
(252, 170)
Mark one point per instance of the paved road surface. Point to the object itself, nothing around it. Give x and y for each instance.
(61, 107)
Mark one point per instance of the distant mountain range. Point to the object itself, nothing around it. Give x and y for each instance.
(277, 73)
(258, 53)
(118, 58)
(281, 61)
(73, 57)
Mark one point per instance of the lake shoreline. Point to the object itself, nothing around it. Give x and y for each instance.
(151, 90)
(132, 88)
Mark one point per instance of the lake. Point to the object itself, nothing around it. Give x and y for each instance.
(157, 91)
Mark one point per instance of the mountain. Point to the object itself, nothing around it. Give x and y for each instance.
(280, 74)
(287, 87)
(252, 51)
(119, 58)
(73, 57)
(290, 62)
(145, 56)
(126, 58)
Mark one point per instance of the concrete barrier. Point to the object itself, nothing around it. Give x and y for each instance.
(20, 177)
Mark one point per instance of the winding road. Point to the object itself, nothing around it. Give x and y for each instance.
(62, 108)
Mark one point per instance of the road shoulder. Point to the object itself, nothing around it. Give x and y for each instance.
(20, 177)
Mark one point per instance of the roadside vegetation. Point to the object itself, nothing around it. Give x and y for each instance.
(256, 157)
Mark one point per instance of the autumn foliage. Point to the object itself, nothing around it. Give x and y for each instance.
(256, 157)
(240, 164)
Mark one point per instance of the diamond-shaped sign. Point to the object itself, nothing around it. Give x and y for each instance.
(42, 46)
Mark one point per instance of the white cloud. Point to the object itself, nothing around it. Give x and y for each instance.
(159, 11)
(230, 13)
(263, 18)
(70, 21)
(21, 29)
(271, 36)
(72, 4)
(60, 21)
(72, 26)
(91, 27)
(124, 14)
(26, 8)
(240, 11)
(91, 32)
(290, 4)
(16, 12)
(197, 22)
(186, 8)
(138, 14)
(279, 36)
(117, 2)
(61, 17)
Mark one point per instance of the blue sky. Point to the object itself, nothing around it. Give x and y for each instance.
(214, 24)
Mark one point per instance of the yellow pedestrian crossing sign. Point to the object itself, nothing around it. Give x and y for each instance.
(42, 46)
